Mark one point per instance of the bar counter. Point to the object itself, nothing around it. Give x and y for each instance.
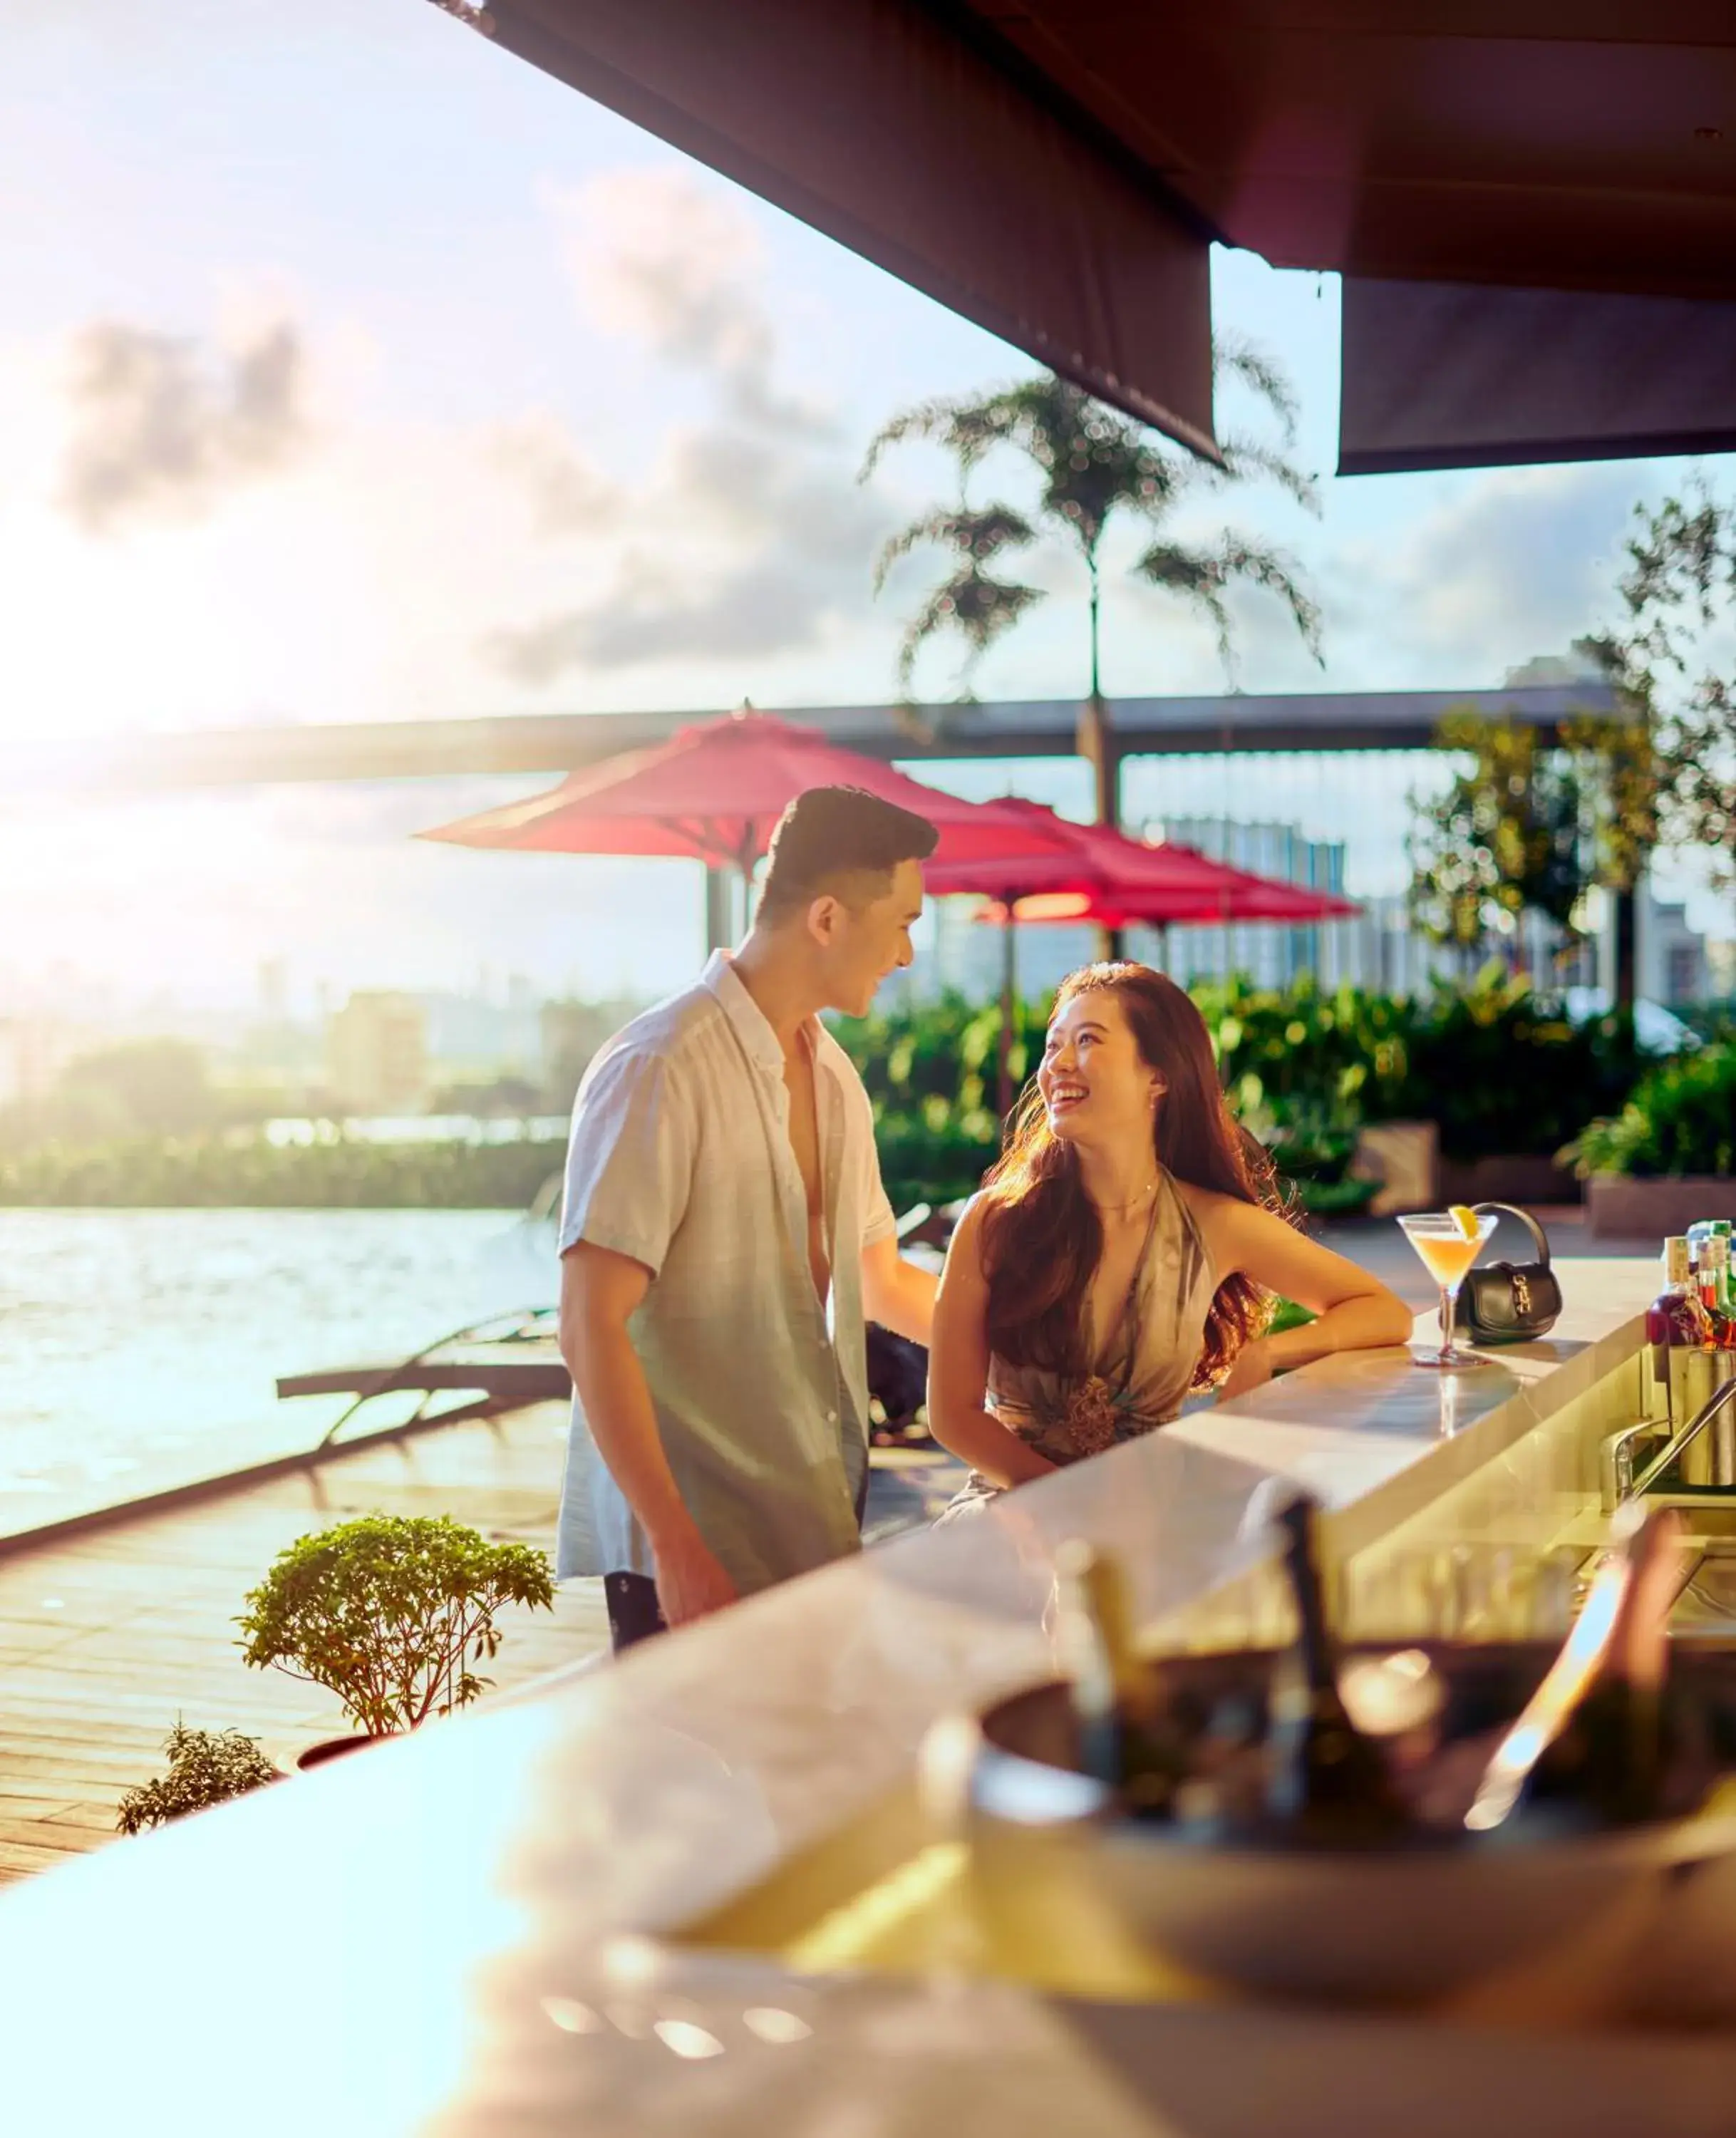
(486, 1929)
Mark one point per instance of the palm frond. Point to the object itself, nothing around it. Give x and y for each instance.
(973, 602)
(1257, 565)
(1235, 356)
(955, 425)
(980, 534)
(1198, 578)
(1244, 457)
(1201, 576)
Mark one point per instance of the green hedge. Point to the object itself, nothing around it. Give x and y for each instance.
(249, 1173)
(1495, 1065)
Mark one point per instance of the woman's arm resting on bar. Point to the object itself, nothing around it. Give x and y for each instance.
(1355, 1310)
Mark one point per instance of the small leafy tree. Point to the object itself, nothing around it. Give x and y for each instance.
(205, 1767)
(1512, 834)
(1672, 656)
(389, 1612)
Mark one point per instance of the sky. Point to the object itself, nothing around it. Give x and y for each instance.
(351, 370)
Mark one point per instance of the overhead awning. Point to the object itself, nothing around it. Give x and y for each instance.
(1447, 375)
(911, 135)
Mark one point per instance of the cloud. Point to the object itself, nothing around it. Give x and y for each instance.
(1505, 565)
(159, 432)
(568, 495)
(660, 256)
(750, 536)
(677, 264)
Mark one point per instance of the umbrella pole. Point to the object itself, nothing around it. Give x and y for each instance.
(1009, 999)
(746, 855)
(717, 911)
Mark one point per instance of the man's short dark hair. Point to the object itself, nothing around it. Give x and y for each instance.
(842, 840)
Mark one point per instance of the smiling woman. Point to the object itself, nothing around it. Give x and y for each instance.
(1126, 1250)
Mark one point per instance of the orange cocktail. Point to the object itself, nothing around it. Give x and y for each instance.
(1448, 1242)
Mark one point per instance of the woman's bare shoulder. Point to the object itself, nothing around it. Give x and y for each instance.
(1208, 1204)
(1224, 1220)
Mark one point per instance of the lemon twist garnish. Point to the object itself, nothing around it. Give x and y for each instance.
(1465, 1219)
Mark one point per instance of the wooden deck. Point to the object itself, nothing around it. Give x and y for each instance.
(106, 1638)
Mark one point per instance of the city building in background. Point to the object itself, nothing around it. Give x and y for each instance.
(1672, 961)
(377, 1053)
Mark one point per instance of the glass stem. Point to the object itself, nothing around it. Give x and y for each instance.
(1447, 1297)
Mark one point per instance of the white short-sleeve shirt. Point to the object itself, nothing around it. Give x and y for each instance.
(680, 1157)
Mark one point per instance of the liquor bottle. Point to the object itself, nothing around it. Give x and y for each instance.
(1676, 1329)
(1127, 1738)
(1715, 1286)
(1718, 1364)
(1327, 1784)
(1660, 1317)
(1722, 1230)
(1707, 1279)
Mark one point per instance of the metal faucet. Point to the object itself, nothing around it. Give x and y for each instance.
(1720, 1399)
(1616, 1462)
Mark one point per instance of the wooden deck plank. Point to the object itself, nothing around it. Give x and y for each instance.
(44, 1833)
(14, 1804)
(106, 1638)
(100, 1818)
(20, 1861)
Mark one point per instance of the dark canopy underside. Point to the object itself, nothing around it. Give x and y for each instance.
(1488, 175)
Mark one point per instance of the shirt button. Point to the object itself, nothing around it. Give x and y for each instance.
(831, 1418)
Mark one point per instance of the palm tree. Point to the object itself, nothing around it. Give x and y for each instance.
(1093, 465)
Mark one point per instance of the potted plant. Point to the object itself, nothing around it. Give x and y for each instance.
(389, 1612)
(205, 1767)
(1669, 1157)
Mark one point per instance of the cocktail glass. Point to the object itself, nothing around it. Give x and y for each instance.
(1447, 1252)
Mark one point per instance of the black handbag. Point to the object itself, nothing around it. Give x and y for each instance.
(1509, 1302)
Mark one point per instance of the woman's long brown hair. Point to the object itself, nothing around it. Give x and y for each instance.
(1042, 1235)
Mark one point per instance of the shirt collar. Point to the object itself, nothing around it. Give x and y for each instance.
(747, 1016)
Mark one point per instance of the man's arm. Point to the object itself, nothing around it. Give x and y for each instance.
(600, 1291)
(897, 1293)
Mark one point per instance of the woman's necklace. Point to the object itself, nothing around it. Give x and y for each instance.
(1121, 1209)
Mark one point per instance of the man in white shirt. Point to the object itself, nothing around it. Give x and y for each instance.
(725, 1238)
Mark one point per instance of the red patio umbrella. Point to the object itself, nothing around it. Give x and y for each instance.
(1255, 898)
(714, 793)
(1100, 875)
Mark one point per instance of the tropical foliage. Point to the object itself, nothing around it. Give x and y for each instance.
(1497, 1066)
(1680, 1119)
(390, 1613)
(1094, 468)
